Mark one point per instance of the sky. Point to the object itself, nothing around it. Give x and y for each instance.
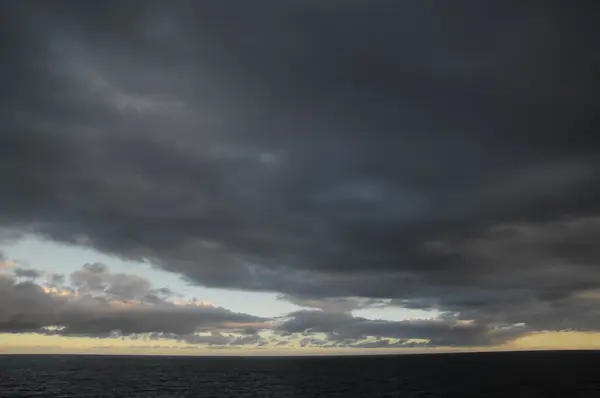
(298, 177)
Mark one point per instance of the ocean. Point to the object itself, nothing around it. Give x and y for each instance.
(564, 374)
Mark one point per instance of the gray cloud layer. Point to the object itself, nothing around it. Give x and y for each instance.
(442, 156)
(100, 310)
(347, 329)
(92, 307)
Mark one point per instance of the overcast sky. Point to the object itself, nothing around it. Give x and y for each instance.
(299, 176)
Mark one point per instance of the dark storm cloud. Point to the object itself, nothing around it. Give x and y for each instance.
(544, 274)
(408, 150)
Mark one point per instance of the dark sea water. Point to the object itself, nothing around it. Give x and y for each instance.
(523, 374)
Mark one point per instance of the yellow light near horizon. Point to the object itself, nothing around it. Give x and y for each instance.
(41, 344)
(559, 340)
